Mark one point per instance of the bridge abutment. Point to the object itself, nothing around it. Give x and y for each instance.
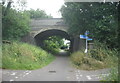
(28, 39)
(78, 44)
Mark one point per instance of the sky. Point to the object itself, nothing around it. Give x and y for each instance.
(49, 6)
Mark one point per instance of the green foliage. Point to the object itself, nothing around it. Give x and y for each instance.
(35, 14)
(99, 18)
(81, 61)
(15, 24)
(97, 58)
(53, 44)
(113, 75)
(24, 56)
(101, 51)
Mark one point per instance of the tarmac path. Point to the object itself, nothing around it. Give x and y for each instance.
(58, 70)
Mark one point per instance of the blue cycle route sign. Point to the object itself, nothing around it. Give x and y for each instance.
(83, 37)
(87, 39)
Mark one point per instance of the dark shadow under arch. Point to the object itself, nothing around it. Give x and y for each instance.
(39, 38)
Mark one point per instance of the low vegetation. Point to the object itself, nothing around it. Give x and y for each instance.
(53, 44)
(112, 76)
(89, 62)
(37, 14)
(98, 58)
(24, 56)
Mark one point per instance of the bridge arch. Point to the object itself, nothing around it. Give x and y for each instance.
(43, 28)
(44, 34)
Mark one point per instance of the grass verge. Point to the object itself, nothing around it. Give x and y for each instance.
(95, 59)
(99, 58)
(112, 76)
(24, 56)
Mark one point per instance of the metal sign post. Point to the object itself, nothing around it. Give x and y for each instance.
(86, 46)
(86, 33)
(87, 39)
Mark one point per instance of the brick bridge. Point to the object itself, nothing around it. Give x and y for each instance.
(44, 28)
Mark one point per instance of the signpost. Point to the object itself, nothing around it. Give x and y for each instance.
(87, 39)
(83, 37)
(86, 33)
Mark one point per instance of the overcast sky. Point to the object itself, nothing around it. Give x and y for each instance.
(50, 6)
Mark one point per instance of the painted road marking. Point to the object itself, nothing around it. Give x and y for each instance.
(13, 73)
(93, 75)
(77, 78)
(24, 75)
(27, 73)
(88, 77)
(77, 75)
(16, 77)
(11, 80)
(104, 74)
(80, 75)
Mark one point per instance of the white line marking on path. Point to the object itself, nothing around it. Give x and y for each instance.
(27, 73)
(77, 78)
(81, 75)
(77, 75)
(89, 78)
(16, 77)
(24, 75)
(93, 75)
(13, 73)
(11, 80)
(105, 74)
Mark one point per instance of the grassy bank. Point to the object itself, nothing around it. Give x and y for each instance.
(24, 56)
(98, 58)
(113, 76)
(89, 62)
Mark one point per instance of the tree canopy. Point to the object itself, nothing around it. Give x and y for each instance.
(15, 22)
(53, 44)
(35, 14)
(101, 19)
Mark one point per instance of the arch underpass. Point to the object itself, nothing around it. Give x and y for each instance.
(40, 37)
(44, 28)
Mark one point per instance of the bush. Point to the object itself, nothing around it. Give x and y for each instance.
(101, 52)
(85, 62)
(15, 24)
(97, 58)
(35, 14)
(98, 54)
(77, 58)
(24, 56)
(53, 44)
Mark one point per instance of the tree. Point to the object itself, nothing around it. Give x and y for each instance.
(19, 5)
(34, 14)
(99, 18)
(53, 44)
(15, 24)
(5, 11)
